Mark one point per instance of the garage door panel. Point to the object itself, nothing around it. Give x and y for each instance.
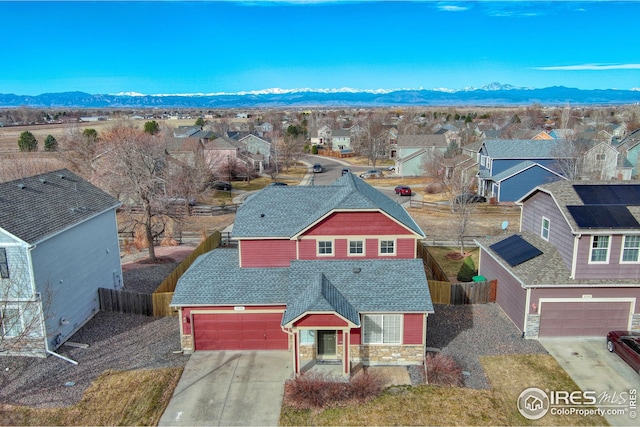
(242, 331)
(582, 318)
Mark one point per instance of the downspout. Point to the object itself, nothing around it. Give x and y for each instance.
(53, 353)
(288, 331)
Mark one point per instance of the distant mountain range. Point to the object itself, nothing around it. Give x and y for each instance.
(494, 94)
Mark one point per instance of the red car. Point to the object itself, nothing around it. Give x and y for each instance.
(403, 190)
(626, 345)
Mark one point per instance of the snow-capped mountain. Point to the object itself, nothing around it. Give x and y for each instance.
(493, 94)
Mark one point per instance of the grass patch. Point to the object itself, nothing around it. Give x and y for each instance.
(116, 398)
(452, 266)
(433, 405)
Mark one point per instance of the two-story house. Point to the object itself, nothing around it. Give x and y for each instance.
(573, 268)
(259, 150)
(412, 152)
(327, 272)
(340, 139)
(509, 168)
(58, 245)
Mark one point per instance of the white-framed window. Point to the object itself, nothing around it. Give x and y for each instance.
(387, 247)
(599, 249)
(12, 323)
(544, 230)
(483, 160)
(356, 247)
(630, 249)
(4, 264)
(601, 156)
(307, 337)
(325, 247)
(382, 329)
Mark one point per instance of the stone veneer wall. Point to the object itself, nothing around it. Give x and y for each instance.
(307, 351)
(370, 355)
(533, 326)
(187, 343)
(635, 322)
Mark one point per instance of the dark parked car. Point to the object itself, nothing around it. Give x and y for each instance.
(346, 171)
(626, 345)
(374, 173)
(403, 190)
(317, 168)
(469, 198)
(278, 183)
(221, 185)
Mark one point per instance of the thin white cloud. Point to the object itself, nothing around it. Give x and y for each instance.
(452, 8)
(591, 67)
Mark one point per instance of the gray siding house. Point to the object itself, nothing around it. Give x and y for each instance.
(58, 245)
(572, 270)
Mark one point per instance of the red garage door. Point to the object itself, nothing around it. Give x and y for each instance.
(258, 331)
(560, 319)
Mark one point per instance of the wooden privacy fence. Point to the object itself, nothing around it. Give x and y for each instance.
(161, 297)
(125, 302)
(431, 266)
(157, 303)
(462, 293)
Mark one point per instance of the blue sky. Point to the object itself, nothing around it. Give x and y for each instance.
(233, 46)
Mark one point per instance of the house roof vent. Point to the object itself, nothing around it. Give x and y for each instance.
(42, 180)
(60, 175)
(20, 185)
(357, 269)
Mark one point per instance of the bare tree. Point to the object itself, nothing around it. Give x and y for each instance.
(22, 312)
(81, 148)
(135, 167)
(372, 142)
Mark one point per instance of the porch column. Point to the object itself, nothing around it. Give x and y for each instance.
(346, 338)
(296, 352)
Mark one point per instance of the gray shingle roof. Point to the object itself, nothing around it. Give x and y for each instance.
(40, 206)
(394, 285)
(522, 148)
(546, 269)
(432, 140)
(519, 168)
(284, 211)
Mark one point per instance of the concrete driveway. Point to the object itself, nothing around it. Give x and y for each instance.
(225, 388)
(592, 367)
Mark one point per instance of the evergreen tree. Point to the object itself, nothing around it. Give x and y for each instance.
(152, 127)
(27, 142)
(467, 270)
(50, 143)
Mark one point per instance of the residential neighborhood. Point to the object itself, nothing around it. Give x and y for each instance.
(277, 245)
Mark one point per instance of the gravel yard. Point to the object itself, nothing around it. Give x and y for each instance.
(466, 332)
(116, 342)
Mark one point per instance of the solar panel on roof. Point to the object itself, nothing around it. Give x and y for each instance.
(515, 250)
(603, 216)
(603, 194)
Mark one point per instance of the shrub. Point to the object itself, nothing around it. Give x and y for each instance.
(433, 188)
(442, 370)
(314, 149)
(314, 390)
(467, 270)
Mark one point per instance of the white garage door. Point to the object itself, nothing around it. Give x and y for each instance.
(561, 319)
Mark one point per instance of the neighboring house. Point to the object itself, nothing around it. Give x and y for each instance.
(327, 272)
(340, 139)
(602, 161)
(412, 152)
(630, 148)
(324, 135)
(573, 268)
(58, 245)
(510, 168)
(258, 150)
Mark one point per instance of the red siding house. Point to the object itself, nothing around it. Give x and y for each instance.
(327, 272)
(574, 268)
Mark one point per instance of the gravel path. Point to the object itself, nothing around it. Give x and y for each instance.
(468, 331)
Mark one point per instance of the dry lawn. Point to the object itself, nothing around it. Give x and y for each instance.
(116, 398)
(431, 405)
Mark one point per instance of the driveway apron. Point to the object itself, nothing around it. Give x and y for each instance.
(593, 368)
(226, 388)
